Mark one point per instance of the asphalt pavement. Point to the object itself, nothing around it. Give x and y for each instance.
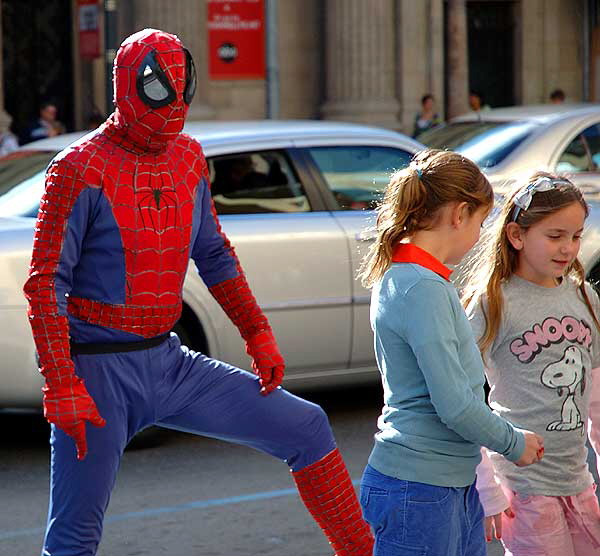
(179, 495)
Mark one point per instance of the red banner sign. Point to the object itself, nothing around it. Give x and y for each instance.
(89, 28)
(236, 39)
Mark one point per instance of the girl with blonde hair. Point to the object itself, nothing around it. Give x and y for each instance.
(417, 491)
(536, 322)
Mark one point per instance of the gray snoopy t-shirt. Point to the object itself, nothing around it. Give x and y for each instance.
(539, 370)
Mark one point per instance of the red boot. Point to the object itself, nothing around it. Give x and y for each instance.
(327, 492)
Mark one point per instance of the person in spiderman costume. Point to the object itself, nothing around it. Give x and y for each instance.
(124, 209)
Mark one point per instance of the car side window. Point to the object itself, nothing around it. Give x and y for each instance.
(256, 182)
(575, 157)
(357, 175)
(592, 138)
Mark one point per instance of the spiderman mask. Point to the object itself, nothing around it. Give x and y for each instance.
(154, 83)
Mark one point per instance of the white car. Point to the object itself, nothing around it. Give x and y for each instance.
(509, 144)
(297, 221)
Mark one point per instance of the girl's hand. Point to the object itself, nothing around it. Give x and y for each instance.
(534, 449)
(495, 522)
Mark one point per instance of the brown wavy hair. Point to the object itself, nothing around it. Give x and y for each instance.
(496, 260)
(413, 198)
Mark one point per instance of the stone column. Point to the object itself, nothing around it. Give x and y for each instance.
(187, 20)
(550, 49)
(458, 59)
(420, 67)
(360, 62)
(531, 54)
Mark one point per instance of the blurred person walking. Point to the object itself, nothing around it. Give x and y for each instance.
(427, 117)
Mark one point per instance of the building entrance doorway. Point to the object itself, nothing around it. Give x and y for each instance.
(491, 47)
(37, 59)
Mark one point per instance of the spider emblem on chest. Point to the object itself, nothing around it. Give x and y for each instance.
(158, 209)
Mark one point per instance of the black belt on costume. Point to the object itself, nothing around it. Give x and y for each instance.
(120, 347)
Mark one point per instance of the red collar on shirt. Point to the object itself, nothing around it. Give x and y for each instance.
(409, 253)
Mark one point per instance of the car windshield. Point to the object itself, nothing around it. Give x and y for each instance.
(22, 182)
(486, 143)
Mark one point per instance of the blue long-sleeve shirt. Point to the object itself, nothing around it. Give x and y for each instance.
(434, 418)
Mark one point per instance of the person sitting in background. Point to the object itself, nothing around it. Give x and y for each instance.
(45, 126)
(233, 174)
(557, 96)
(427, 117)
(476, 102)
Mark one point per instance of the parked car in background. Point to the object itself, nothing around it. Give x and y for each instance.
(294, 197)
(509, 144)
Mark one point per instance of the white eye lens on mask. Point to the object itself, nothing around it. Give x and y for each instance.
(152, 83)
(153, 88)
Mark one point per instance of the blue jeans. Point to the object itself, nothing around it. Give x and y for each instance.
(416, 519)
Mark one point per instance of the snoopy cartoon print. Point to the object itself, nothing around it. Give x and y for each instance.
(567, 374)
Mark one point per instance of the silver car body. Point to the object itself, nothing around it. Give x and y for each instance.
(301, 267)
(553, 129)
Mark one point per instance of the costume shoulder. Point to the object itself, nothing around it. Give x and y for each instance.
(186, 141)
(189, 150)
(85, 158)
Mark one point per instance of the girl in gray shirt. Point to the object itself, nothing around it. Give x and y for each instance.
(536, 323)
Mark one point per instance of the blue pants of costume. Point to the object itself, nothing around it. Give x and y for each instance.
(173, 387)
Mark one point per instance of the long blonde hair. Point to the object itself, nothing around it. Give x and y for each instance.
(412, 200)
(496, 260)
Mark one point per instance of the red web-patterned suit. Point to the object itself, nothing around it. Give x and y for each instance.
(156, 214)
(161, 223)
(124, 210)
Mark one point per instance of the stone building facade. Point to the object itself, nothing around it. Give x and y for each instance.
(358, 60)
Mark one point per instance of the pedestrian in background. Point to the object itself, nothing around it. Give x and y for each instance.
(427, 117)
(557, 96)
(477, 102)
(418, 489)
(46, 125)
(536, 320)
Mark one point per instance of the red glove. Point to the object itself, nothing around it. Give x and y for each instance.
(69, 406)
(267, 362)
(237, 301)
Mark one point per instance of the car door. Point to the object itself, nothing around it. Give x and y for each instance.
(355, 177)
(294, 255)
